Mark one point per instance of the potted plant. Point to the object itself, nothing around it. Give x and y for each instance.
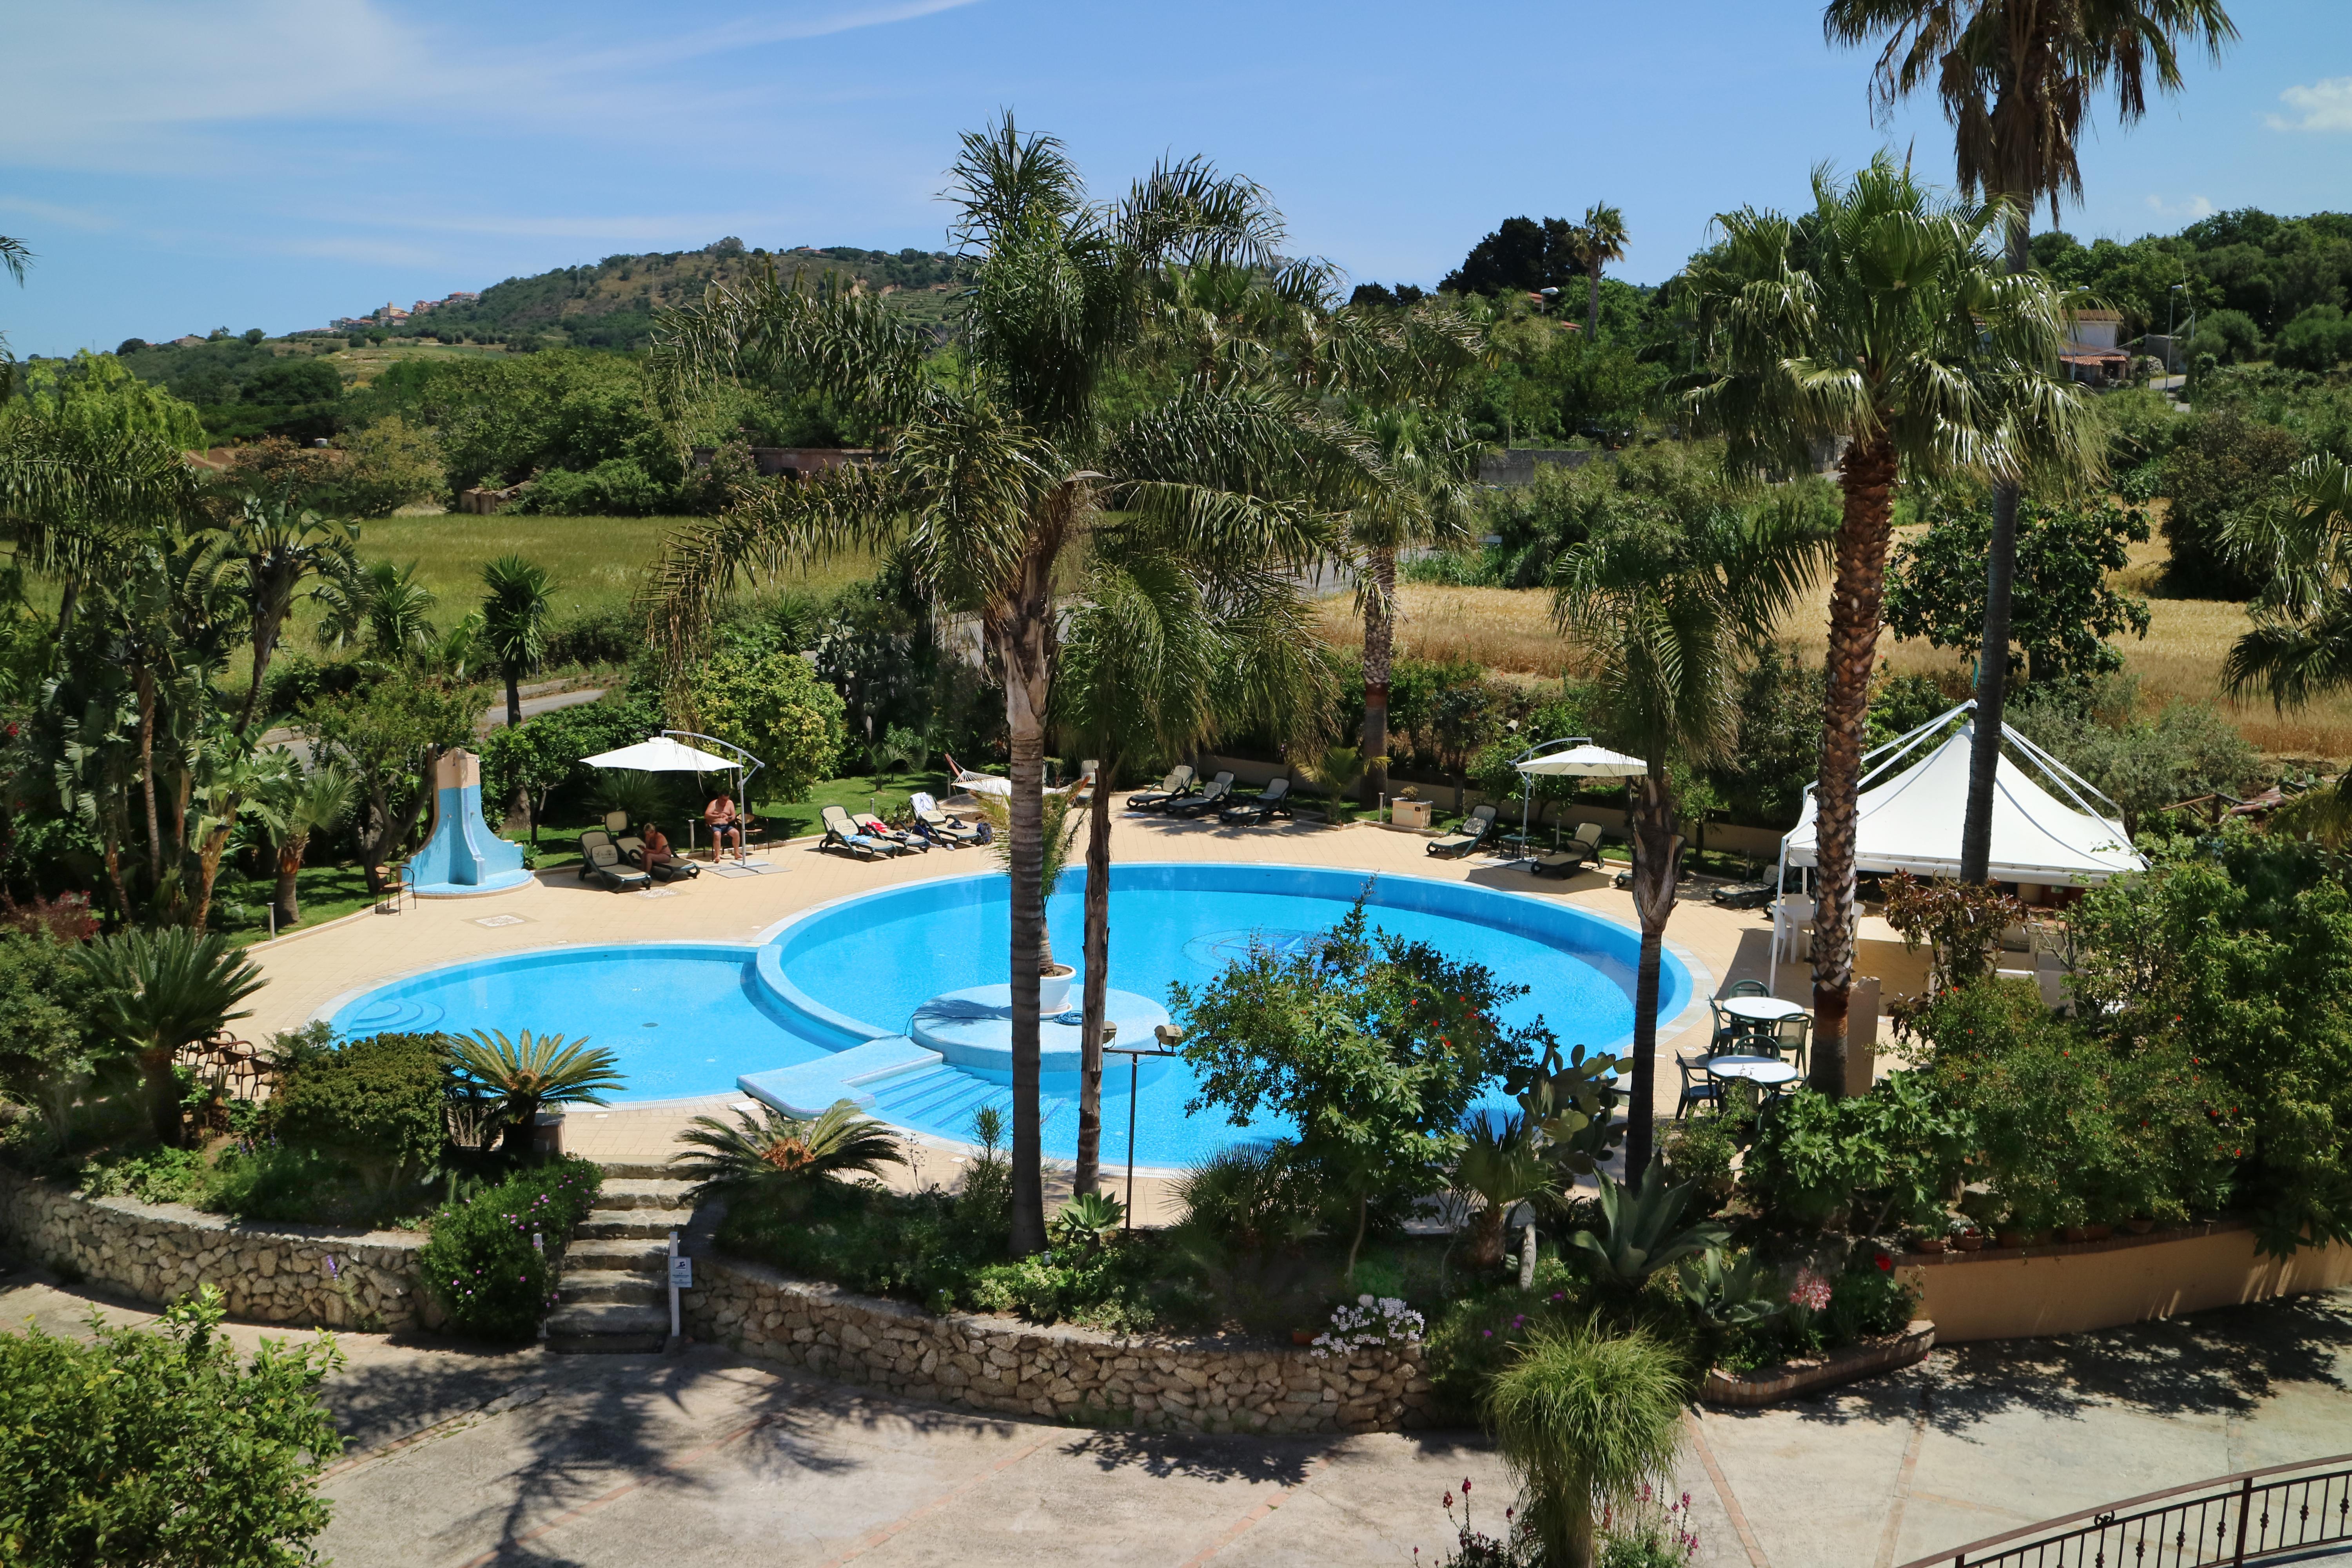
(1408, 809)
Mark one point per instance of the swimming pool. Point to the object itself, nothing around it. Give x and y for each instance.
(689, 1019)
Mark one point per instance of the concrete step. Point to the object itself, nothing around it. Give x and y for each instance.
(608, 1328)
(642, 1193)
(583, 1286)
(614, 1224)
(635, 1171)
(625, 1255)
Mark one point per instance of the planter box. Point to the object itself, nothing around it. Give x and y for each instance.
(1768, 1385)
(1411, 814)
(2070, 1286)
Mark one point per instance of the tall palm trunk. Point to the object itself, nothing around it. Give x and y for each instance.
(209, 850)
(1379, 655)
(265, 645)
(146, 681)
(288, 897)
(1654, 852)
(1992, 661)
(1866, 474)
(1028, 686)
(1097, 984)
(163, 1093)
(1593, 304)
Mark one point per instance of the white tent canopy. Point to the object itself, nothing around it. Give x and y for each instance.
(663, 755)
(1586, 761)
(1912, 821)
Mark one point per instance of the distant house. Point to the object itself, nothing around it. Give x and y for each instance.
(2093, 352)
(459, 294)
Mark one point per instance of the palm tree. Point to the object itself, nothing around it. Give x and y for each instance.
(72, 496)
(515, 608)
(2016, 78)
(14, 253)
(1158, 658)
(778, 1157)
(2300, 646)
(1669, 604)
(1599, 240)
(1583, 1417)
(380, 608)
(265, 556)
(232, 777)
(530, 1073)
(1399, 373)
(1903, 337)
(1501, 1165)
(987, 477)
(293, 806)
(153, 992)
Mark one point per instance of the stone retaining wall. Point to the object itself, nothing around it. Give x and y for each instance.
(157, 1253)
(989, 1364)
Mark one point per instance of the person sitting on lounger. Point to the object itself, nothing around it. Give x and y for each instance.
(720, 815)
(658, 849)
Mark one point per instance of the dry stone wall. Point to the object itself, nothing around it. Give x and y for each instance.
(990, 1364)
(157, 1253)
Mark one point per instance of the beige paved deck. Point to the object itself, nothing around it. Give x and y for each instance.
(309, 969)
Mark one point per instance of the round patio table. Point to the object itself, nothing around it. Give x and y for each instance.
(1765, 1072)
(1762, 1009)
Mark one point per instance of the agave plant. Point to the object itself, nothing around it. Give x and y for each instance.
(1088, 1220)
(1642, 1230)
(1501, 1165)
(777, 1156)
(528, 1073)
(1728, 1290)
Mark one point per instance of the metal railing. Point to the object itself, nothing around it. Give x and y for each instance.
(2260, 1516)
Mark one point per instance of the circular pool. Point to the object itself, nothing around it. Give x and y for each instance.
(833, 1001)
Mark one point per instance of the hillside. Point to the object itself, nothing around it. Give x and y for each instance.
(610, 304)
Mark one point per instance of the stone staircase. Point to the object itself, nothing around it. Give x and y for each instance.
(614, 1296)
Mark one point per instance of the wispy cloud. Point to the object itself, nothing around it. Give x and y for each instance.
(2190, 208)
(59, 216)
(2322, 106)
(751, 32)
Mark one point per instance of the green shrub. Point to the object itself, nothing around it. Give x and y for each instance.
(492, 1259)
(162, 1448)
(1889, 1157)
(1475, 1337)
(151, 1176)
(379, 1102)
(276, 1181)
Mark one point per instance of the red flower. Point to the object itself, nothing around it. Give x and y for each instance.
(1885, 1264)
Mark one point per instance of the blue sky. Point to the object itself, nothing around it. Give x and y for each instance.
(179, 166)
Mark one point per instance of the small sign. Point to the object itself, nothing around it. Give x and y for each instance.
(681, 1273)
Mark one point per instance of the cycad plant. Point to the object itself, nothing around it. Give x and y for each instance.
(153, 992)
(1583, 1417)
(777, 1158)
(1886, 319)
(1501, 1164)
(987, 477)
(532, 1072)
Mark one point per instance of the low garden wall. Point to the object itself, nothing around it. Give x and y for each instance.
(985, 1364)
(310, 1276)
(2005, 1294)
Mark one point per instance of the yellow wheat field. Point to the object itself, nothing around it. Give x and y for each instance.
(1510, 631)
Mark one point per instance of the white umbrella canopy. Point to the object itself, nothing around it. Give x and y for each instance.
(662, 755)
(1587, 761)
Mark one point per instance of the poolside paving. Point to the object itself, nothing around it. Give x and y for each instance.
(310, 969)
(464, 1455)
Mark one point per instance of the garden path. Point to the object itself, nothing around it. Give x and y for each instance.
(464, 1456)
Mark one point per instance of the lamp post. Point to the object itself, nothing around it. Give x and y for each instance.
(1169, 1036)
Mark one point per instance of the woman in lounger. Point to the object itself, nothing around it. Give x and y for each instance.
(658, 849)
(720, 815)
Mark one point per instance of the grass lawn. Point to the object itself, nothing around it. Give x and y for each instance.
(241, 904)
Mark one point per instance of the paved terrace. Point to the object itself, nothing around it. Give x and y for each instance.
(309, 969)
(472, 1458)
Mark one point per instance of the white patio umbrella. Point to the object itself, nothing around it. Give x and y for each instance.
(1582, 760)
(665, 754)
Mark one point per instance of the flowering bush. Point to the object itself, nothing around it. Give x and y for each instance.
(1369, 1321)
(491, 1261)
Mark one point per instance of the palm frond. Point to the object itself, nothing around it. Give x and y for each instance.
(769, 1152)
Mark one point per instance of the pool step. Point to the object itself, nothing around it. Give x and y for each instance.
(858, 1075)
(945, 1098)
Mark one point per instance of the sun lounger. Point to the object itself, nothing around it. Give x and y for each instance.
(1468, 836)
(841, 832)
(600, 862)
(938, 826)
(1580, 851)
(1269, 804)
(874, 826)
(1213, 798)
(633, 850)
(1174, 787)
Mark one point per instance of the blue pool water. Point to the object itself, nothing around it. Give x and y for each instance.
(688, 1018)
